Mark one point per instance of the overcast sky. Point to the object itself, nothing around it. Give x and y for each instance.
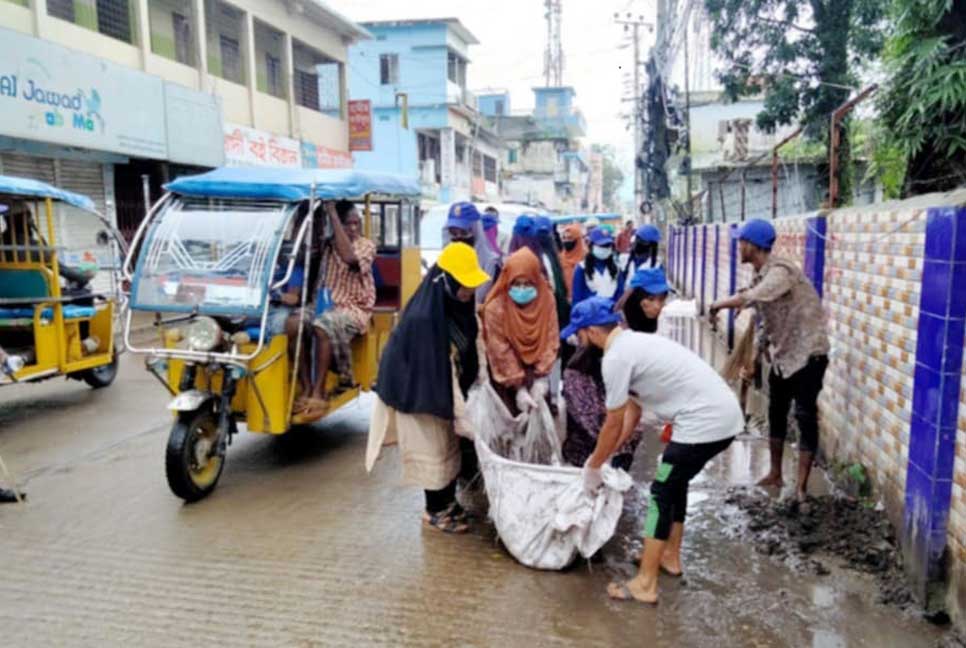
(512, 35)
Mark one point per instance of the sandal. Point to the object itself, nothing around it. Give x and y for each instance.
(313, 410)
(668, 572)
(445, 522)
(621, 592)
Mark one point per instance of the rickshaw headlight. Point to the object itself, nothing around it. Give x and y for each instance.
(203, 334)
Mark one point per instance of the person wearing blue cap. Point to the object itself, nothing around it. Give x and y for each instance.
(643, 251)
(598, 275)
(499, 240)
(643, 371)
(644, 302)
(465, 225)
(796, 339)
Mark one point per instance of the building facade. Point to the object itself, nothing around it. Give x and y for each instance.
(546, 165)
(424, 120)
(98, 94)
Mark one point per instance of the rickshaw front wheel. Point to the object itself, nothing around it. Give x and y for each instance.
(193, 460)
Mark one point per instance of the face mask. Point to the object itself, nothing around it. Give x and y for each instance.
(471, 241)
(640, 249)
(569, 245)
(602, 253)
(523, 295)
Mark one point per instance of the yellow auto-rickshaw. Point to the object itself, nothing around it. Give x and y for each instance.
(56, 314)
(206, 261)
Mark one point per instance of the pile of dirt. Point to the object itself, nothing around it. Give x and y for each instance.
(845, 528)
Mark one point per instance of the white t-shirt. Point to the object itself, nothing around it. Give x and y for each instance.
(672, 382)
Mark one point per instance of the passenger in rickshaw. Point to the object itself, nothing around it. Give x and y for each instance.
(343, 304)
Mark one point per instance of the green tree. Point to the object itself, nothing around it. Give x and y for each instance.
(613, 176)
(802, 54)
(923, 104)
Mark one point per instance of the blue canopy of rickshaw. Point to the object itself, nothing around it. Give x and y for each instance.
(15, 186)
(276, 183)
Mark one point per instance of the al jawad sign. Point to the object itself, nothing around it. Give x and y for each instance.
(360, 125)
(53, 94)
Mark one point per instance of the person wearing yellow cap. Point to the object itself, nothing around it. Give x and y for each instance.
(425, 374)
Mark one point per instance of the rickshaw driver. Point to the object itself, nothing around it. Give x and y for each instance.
(347, 273)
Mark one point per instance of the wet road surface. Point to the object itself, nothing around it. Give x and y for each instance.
(298, 546)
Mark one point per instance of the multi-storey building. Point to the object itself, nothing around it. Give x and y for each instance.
(424, 120)
(96, 94)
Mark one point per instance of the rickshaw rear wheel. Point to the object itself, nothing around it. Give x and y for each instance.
(100, 377)
(193, 461)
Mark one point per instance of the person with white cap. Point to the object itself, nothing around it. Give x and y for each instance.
(642, 371)
(796, 338)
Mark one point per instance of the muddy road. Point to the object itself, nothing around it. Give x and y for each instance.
(300, 547)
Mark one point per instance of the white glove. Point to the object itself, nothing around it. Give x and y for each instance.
(592, 478)
(540, 389)
(525, 402)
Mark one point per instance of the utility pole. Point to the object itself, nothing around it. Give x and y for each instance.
(633, 24)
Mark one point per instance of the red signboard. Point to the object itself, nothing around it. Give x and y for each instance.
(360, 125)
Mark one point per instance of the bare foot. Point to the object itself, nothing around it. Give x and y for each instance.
(771, 479)
(631, 591)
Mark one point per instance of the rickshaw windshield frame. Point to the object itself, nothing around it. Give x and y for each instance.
(210, 256)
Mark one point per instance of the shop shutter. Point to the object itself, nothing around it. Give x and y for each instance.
(27, 166)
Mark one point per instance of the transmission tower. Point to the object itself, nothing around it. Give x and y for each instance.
(553, 58)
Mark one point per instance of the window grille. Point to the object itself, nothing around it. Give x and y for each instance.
(389, 69)
(114, 19)
(231, 68)
(181, 26)
(489, 168)
(307, 89)
(63, 9)
(273, 75)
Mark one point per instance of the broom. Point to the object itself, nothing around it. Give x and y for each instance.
(741, 364)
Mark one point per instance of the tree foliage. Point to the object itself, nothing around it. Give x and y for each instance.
(802, 54)
(613, 176)
(923, 105)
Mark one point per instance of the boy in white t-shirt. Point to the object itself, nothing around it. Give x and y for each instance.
(642, 370)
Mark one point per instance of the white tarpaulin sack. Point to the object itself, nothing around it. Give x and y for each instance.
(542, 513)
(539, 508)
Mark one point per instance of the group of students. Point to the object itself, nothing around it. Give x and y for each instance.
(516, 313)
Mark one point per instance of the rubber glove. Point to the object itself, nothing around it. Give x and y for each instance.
(592, 478)
(525, 402)
(540, 389)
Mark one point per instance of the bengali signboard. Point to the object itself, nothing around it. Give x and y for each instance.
(249, 147)
(360, 125)
(315, 156)
(53, 94)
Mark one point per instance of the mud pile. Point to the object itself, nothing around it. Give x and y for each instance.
(824, 527)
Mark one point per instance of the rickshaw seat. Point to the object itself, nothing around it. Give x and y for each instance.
(71, 312)
(23, 284)
(387, 271)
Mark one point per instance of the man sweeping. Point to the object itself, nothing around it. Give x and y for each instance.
(796, 336)
(647, 371)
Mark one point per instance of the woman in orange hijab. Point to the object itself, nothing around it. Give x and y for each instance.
(520, 331)
(572, 253)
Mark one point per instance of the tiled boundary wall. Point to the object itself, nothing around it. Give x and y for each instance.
(893, 282)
